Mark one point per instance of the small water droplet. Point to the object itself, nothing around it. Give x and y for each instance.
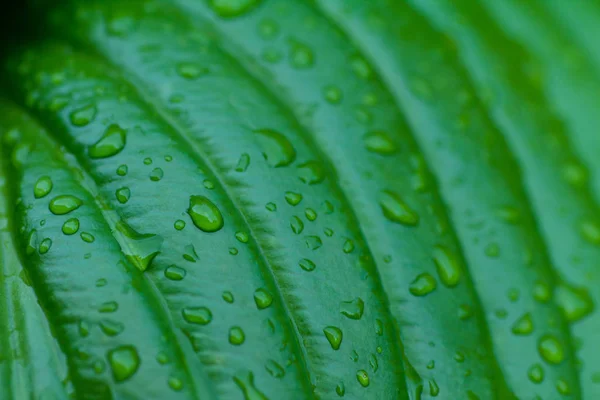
(71, 226)
(122, 170)
(340, 389)
(492, 250)
(108, 307)
(448, 266)
(162, 358)
(156, 175)
(542, 292)
(271, 207)
(83, 328)
(536, 373)
(379, 142)
(45, 246)
(268, 29)
(236, 336)
(523, 326)
(434, 389)
(397, 210)
(245, 382)
(111, 328)
(301, 55)
(292, 198)
(233, 8)
(124, 362)
(179, 225)
(61, 205)
(228, 297)
(197, 315)
(123, 194)
(348, 246)
(205, 214)
(42, 187)
(334, 336)
(175, 383)
(147, 161)
(262, 298)
(111, 143)
(307, 265)
(175, 273)
(373, 362)
(423, 284)
(353, 309)
(551, 349)
(311, 172)
(191, 71)
(243, 163)
(276, 148)
(87, 237)
(242, 237)
(297, 225)
(274, 369)
(84, 115)
(208, 184)
(363, 378)
(360, 67)
(332, 94)
(313, 242)
(576, 303)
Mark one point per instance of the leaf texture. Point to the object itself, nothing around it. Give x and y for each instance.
(286, 199)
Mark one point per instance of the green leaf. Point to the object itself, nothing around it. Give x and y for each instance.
(279, 199)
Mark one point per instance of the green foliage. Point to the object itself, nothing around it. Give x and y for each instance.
(281, 199)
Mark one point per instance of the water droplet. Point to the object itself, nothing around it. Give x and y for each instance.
(334, 336)
(448, 266)
(542, 292)
(162, 358)
(122, 170)
(459, 357)
(307, 265)
(464, 312)
(274, 369)
(87, 237)
(268, 29)
(271, 207)
(242, 237)
(208, 184)
(575, 174)
(373, 362)
(348, 246)
(397, 210)
(83, 115)
(551, 349)
(310, 214)
(233, 251)
(191, 71)
(83, 328)
(332, 94)
(179, 225)
(246, 383)
(175, 383)
(175, 273)
(111, 143)
(243, 163)
(509, 215)
(147, 161)
(423, 285)
(353, 309)
(236, 336)
(313, 242)
(276, 148)
(379, 142)
(45, 246)
(590, 231)
(301, 56)
(233, 8)
(61, 205)
(71, 226)
(141, 249)
(205, 214)
(31, 242)
(360, 67)
(297, 225)
(576, 303)
(378, 327)
(536, 373)
(363, 378)
(340, 389)
(523, 326)
(292, 198)
(123, 194)
(108, 307)
(492, 250)
(111, 328)
(42, 187)
(124, 362)
(228, 297)
(262, 298)
(197, 315)
(156, 175)
(311, 172)
(328, 232)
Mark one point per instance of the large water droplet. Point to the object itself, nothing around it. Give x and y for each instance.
(233, 8)
(61, 205)
(205, 214)
(448, 266)
(197, 315)
(551, 349)
(334, 336)
(111, 143)
(397, 210)
(42, 187)
(124, 362)
(276, 148)
(353, 309)
(423, 285)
